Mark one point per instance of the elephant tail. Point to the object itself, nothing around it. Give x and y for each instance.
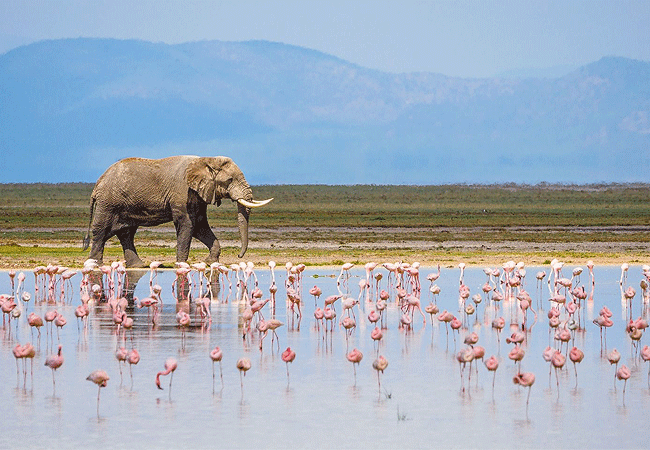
(87, 237)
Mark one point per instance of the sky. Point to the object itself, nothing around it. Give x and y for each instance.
(456, 38)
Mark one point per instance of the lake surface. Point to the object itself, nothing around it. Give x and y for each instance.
(422, 402)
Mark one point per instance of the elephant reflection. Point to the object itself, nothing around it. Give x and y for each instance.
(182, 292)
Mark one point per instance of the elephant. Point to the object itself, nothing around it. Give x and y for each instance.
(136, 192)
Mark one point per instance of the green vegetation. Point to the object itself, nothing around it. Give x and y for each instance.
(48, 220)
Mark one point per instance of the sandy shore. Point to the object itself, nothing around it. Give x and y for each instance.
(284, 245)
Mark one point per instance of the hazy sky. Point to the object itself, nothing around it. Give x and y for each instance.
(456, 38)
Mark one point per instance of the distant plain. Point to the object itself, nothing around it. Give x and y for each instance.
(327, 225)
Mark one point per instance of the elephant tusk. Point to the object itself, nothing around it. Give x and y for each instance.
(254, 203)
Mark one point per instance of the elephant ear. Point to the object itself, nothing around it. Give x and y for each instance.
(201, 176)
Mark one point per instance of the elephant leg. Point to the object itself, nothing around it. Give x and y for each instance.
(97, 250)
(204, 233)
(100, 236)
(126, 236)
(184, 232)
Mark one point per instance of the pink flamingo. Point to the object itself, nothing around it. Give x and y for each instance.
(133, 357)
(413, 303)
(376, 334)
(603, 321)
(272, 324)
(170, 366)
(623, 373)
(431, 309)
(244, 365)
(330, 315)
(153, 267)
(100, 378)
(288, 356)
(54, 362)
(345, 268)
(479, 353)
(614, 357)
(498, 324)
(446, 317)
(29, 352)
(517, 354)
(492, 364)
(81, 312)
(318, 315)
(516, 337)
(18, 354)
(380, 365)
(121, 355)
(35, 321)
(526, 379)
(463, 357)
(355, 357)
(373, 316)
(216, 355)
(316, 292)
(558, 360)
(471, 339)
(455, 325)
(349, 324)
(576, 356)
(370, 267)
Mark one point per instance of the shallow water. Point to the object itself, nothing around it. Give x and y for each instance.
(322, 404)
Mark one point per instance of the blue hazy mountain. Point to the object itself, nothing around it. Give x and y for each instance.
(70, 108)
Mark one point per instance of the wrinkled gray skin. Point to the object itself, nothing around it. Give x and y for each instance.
(138, 192)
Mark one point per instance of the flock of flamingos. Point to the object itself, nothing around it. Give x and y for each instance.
(503, 296)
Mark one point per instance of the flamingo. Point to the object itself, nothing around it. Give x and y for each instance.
(526, 379)
(28, 352)
(614, 357)
(492, 364)
(316, 292)
(170, 366)
(288, 356)
(355, 357)
(380, 365)
(100, 378)
(557, 361)
(18, 354)
(345, 268)
(35, 321)
(60, 322)
(517, 354)
(216, 355)
(576, 356)
(463, 357)
(623, 373)
(54, 362)
(132, 357)
(244, 365)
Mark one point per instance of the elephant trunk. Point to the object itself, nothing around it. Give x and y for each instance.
(243, 214)
(242, 191)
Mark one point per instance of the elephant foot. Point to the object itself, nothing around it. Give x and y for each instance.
(213, 256)
(211, 259)
(136, 265)
(133, 261)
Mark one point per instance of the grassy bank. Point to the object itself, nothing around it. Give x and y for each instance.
(328, 224)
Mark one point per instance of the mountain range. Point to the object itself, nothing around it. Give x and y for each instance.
(289, 115)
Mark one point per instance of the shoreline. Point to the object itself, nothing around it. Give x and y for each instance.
(447, 255)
